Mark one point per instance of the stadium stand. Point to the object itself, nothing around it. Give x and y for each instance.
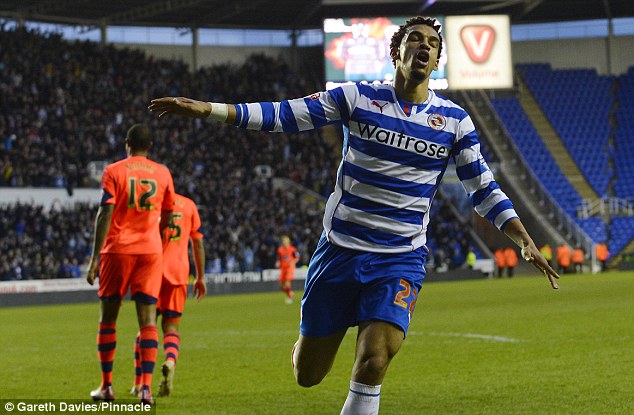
(536, 154)
(578, 103)
(72, 105)
(44, 243)
(621, 233)
(623, 151)
(622, 228)
(594, 227)
(75, 106)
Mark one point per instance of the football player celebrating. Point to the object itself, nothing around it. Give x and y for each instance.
(369, 264)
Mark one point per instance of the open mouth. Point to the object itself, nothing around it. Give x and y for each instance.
(423, 57)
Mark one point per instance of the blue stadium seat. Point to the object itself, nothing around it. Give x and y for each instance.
(624, 137)
(536, 154)
(621, 233)
(579, 115)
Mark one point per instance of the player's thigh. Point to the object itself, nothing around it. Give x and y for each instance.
(171, 300)
(115, 272)
(145, 284)
(315, 354)
(332, 290)
(286, 275)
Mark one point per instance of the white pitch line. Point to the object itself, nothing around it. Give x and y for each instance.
(487, 337)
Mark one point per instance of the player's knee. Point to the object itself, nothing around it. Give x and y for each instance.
(170, 324)
(145, 317)
(373, 365)
(305, 375)
(306, 378)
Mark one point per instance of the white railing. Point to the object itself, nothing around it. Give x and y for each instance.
(612, 206)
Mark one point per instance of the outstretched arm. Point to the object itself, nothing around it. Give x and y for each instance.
(515, 230)
(293, 115)
(188, 107)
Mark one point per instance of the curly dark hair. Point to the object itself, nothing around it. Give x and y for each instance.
(395, 43)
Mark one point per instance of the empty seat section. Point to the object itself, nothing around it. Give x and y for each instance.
(536, 154)
(577, 103)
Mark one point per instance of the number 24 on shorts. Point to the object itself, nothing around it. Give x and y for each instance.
(404, 294)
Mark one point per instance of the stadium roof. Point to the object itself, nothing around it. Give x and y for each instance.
(300, 14)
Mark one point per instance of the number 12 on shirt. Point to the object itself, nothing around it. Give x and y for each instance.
(143, 201)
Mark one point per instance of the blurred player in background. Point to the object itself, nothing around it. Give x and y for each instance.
(563, 258)
(185, 226)
(547, 252)
(578, 258)
(136, 193)
(602, 254)
(500, 261)
(287, 259)
(511, 261)
(370, 262)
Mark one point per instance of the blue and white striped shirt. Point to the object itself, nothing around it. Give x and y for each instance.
(394, 156)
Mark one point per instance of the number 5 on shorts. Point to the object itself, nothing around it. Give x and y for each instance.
(405, 293)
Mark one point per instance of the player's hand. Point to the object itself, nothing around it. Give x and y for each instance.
(200, 289)
(91, 274)
(186, 107)
(531, 254)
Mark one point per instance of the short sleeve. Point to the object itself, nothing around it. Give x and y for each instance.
(196, 224)
(108, 189)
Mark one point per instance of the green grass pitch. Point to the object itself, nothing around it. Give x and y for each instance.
(511, 346)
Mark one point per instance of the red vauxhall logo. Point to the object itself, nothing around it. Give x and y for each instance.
(478, 41)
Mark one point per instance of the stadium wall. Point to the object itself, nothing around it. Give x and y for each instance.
(560, 54)
(48, 196)
(579, 53)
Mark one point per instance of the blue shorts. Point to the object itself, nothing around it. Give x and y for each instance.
(345, 286)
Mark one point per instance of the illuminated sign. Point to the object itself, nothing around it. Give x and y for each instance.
(358, 49)
(480, 50)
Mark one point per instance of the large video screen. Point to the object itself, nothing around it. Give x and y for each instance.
(358, 49)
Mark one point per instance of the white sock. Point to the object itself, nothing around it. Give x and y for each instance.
(362, 399)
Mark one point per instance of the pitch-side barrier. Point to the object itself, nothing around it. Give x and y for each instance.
(77, 290)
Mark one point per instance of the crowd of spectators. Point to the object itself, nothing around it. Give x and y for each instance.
(64, 104)
(448, 239)
(37, 242)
